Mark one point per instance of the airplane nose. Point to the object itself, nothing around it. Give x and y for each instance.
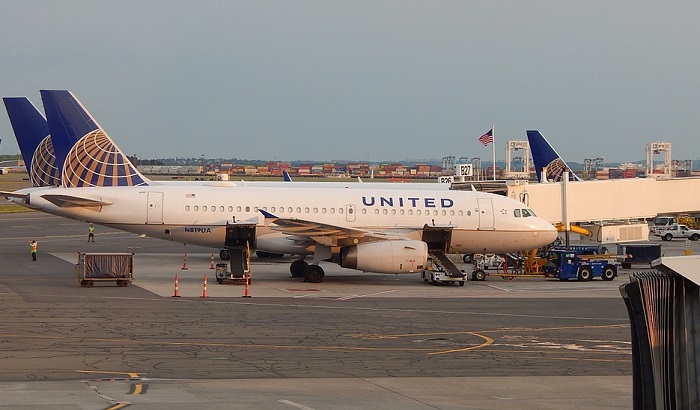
(549, 232)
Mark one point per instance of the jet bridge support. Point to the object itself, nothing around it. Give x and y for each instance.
(438, 239)
(240, 239)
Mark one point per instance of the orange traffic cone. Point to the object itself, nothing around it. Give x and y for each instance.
(212, 262)
(204, 292)
(177, 290)
(247, 285)
(184, 262)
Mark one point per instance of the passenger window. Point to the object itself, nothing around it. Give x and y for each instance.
(393, 211)
(221, 208)
(460, 213)
(204, 208)
(238, 209)
(315, 210)
(386, 211)
(247, 209)
(417, 211)
(187, 207)
(298, 210)
(376, 211)
(340, 210)
(323, 210)
(364, 211)
(332, 210)
(196, 207)
(230, 209)
(306, 210)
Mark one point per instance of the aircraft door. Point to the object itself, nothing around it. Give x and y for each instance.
(154, 213)
(486, 221)
(350, 213)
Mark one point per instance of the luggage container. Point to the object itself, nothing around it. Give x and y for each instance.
(104, 267)
(639, 253)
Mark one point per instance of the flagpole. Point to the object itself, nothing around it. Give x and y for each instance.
(493, 147)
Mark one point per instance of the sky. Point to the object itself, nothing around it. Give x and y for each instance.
(364, 80)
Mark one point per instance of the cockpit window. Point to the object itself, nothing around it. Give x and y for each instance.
(516, 212)
(528, 212)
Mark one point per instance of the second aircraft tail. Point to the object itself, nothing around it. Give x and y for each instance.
(544, 156)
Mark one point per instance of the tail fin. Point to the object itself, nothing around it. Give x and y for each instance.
(544, 156)
(286, 177)
(34, 140)
(85, 153)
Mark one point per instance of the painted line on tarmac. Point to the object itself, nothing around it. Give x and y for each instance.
(348, 297)
(297, 405)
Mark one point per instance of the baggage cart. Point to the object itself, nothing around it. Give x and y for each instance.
(104, 267)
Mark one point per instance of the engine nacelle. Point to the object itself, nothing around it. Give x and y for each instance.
(400, 256)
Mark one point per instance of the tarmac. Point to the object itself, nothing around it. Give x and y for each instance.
(356, 340)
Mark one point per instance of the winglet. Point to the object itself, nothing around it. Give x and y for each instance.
(544, 156)
(266, 214)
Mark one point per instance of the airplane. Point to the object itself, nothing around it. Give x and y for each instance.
(383, 232)
(544, 156)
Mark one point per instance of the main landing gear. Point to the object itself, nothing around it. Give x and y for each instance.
(311, 273)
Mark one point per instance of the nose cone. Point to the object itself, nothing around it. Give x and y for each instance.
(547, 232)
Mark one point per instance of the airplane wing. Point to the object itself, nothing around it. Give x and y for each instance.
(326, 234)
(64, 201)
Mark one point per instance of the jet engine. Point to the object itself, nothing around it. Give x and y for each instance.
(397, 256)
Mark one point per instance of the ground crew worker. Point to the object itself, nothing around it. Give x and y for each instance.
(91, 233)
(34, 246)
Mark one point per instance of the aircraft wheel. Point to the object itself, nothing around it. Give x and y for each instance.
(608, 273)
(314, 274)
(585, 274)
(223, 254)
(479, 275)
(297, 268)
(467, 258)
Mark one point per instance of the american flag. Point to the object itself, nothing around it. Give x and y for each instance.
(189, 196)
(487, 138)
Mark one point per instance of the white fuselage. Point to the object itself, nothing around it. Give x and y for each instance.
(198, 215)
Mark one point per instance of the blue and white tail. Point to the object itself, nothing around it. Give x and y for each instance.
(544, 156)
(34, 140)
(85, 153)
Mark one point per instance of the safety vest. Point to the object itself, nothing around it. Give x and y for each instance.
(34, 246)
(91, 229)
